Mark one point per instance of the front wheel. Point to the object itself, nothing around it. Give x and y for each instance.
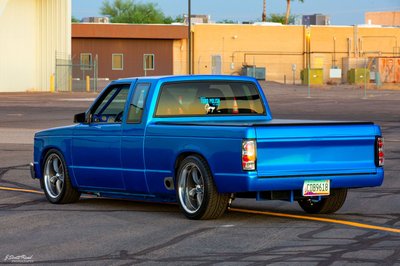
(56, 181)
(197, 194)
(330, 204)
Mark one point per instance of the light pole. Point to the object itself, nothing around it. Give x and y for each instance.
(308, 44)
(190, 36)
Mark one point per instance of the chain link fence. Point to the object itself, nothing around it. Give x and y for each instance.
(324, 68)
(81, 74)
(76, 74)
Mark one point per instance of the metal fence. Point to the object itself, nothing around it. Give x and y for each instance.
(76, 74)
(81, 74)
(324, 69)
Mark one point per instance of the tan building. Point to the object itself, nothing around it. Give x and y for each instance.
(32, 32)
(387, 18)
(283, 51)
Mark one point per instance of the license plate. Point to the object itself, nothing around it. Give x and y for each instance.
(312, 188)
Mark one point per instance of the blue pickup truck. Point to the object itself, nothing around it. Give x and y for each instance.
(202, 141)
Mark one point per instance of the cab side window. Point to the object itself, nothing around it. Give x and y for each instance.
(137, 104)
(110, 107)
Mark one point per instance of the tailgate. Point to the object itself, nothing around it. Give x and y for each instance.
(312, 149)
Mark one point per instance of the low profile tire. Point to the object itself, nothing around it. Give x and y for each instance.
(56, 182)
(197, 194)
(330, 204)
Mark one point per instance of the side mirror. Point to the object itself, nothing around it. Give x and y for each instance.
(80, 118)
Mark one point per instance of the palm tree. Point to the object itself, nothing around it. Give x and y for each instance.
(288, 10)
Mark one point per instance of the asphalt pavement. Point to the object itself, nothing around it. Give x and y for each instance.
(99, 231)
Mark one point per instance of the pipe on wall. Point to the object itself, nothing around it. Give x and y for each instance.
(383, 37)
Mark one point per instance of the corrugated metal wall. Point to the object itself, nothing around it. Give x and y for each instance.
(53, 36)
(17, 45)
(31, 32)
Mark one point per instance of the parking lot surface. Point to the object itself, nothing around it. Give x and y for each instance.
(100, 231)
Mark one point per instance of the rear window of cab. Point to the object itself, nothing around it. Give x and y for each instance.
(207, 98)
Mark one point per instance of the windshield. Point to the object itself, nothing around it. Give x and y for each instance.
(209, 98)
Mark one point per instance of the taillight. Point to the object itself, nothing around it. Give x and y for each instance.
(380, 154)
(249, 155)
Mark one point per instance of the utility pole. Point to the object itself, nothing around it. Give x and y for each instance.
(190, 37)
(264, 14)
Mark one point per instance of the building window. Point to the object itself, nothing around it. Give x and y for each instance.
(86, 61)
(117, 62)
(148, 60)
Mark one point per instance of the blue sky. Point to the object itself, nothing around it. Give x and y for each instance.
(342, 12)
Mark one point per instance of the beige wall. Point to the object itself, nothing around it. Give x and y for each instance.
(31, 32)
(277, 48)
(180, 55)
(272, 47)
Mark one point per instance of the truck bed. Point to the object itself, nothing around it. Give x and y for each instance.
(295, 150)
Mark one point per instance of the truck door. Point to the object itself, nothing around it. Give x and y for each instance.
(132, 141)
(96, 146)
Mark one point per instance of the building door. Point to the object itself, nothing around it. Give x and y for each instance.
(216, 65)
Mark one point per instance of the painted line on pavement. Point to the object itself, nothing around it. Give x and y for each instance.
(318, 219)
(276, 214)
(21, 190)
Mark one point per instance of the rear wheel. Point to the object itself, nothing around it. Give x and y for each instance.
(197, 194)
(330, 204)
(56, 181)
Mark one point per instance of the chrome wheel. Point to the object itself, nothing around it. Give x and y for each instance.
(196, 192)
(191, 188)
(54, 175)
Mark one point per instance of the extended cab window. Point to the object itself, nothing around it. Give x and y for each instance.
(110, 107)
(136, 106)
(209, 98)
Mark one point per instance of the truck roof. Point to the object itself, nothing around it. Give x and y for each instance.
(190, 78)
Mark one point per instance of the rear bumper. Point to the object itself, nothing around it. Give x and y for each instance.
(253, 183)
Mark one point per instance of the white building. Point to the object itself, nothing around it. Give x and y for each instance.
(32, 31)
